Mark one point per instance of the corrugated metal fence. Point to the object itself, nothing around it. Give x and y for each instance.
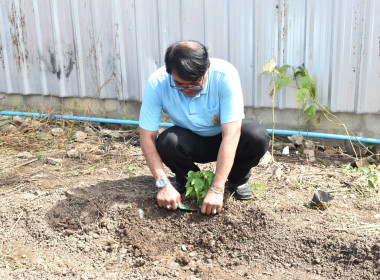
(108, 48)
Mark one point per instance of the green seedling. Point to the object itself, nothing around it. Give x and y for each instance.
(306, 96)
(258, 189)
(39, 155)
(198, 183)
(130, 168)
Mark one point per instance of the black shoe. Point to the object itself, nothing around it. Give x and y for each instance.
(242, 192)
(178, 187)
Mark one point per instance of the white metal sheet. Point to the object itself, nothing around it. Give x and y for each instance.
(108, 48)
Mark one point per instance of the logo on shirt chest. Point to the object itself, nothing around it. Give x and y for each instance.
(216, 119)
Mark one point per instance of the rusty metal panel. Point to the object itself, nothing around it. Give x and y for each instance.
(108, 48)
(13, 52)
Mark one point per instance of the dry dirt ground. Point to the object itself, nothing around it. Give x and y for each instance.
(84, 208)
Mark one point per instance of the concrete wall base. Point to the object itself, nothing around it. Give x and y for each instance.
(365, 125)
(288, 119)
(88, 107)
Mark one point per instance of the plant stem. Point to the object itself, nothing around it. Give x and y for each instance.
(327, 115)
(273, 121)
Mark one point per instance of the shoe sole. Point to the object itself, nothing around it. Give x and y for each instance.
(243, 198)
(240, 197)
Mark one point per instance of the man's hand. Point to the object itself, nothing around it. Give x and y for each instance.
(226, 155)
(168, 196)
(212, 201)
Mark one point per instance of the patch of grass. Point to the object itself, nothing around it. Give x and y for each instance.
(297, 183)
(258, 189)
(127, 118)
(364, 180)
(69, 134)
(373, 228)
(44, 137)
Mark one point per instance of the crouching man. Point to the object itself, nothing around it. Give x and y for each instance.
(204, 100)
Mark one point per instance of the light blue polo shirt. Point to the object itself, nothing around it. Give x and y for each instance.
(220, 101)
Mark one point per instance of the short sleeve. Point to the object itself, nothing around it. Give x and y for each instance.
(231, 98)
(151, 109)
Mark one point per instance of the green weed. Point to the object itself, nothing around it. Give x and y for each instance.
(127, 118)
(364, 180)
(258, 189)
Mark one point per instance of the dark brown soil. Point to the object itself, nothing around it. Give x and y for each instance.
(92, 217)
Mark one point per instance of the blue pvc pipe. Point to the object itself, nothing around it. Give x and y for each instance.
(75, 118)
(325, 135)
(130, 122)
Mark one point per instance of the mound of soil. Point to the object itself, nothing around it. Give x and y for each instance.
(93, 215)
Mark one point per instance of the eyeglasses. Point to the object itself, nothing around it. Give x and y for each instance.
(190, 88)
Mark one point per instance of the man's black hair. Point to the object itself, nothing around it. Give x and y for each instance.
(188, 59)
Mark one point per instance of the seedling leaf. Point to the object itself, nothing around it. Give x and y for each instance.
(301, 95)
(310, 113)
(306, 82)
(270, 66)
(284, 81)
(198, 183)
(283, 68)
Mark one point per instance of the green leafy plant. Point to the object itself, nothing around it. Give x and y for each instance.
(130, 168)
(306, 96)
(198, 183)
(364, 180)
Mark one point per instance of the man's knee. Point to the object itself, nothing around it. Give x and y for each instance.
(255, 135)
(166, 142)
